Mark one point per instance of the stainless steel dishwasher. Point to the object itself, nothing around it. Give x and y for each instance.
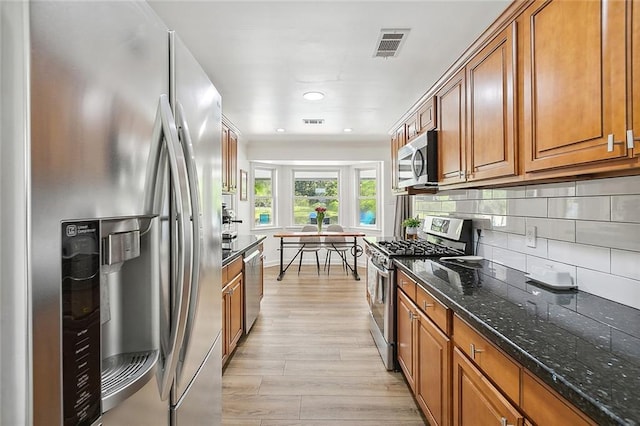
(253, 262)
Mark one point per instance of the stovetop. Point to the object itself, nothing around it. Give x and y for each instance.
(397, 248)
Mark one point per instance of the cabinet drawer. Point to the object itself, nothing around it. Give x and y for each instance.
(497, 366)
(232, 269)
(407, 285)
(544, 406)
(436, 311)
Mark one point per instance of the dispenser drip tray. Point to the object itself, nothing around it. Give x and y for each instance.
(124, 374)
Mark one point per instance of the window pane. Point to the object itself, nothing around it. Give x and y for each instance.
(304, 210)
(367, 187)
(368, 210)
(263, 197)
(263, 211)
(262, 183)
(310, 187)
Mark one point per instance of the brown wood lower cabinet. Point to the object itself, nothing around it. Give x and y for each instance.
(475, 400)
(460, 378)
(232, 309)
(433, 381)
(406, 330)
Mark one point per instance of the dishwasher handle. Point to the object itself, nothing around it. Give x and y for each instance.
(251, 256)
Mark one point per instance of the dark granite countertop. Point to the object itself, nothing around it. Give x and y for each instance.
(233, 248)
(585, 347)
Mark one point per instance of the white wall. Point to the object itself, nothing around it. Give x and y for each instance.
(341, 152)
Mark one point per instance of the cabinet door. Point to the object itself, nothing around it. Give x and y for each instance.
(452, 130)
(635, 77)
(397, 141)
(491, 103)
(433, 381)
(475, 400)
(233, 162)
(574, 82)
(394, 162)
(411, 127)
(225, 325)
(427, 116)
(405, 322)
(225, 157)
(236, 311)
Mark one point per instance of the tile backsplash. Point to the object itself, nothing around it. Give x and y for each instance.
(590, 229)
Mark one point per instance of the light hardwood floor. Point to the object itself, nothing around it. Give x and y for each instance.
(310, 360)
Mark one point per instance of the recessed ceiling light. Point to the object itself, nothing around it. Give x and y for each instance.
(348, 130)
(313, 96)
(280, 130)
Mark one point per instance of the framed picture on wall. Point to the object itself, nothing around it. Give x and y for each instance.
(243, 185)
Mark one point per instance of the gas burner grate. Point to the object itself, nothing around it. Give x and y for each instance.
(415, 248)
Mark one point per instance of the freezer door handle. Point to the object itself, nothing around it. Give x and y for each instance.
(196, 220)
(166, 146)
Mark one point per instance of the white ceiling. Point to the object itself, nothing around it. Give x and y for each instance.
(263, 55)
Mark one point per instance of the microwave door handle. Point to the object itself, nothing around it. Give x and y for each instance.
(165, 139)
(417, 173)
(196, 222)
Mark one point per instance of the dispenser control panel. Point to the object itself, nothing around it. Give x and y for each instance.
(80, 281)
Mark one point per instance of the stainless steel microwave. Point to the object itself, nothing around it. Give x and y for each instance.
(418, 161)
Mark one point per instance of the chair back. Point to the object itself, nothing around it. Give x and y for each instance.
(335, 239)
(310, 228)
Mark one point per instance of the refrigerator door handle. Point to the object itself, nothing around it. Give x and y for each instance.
(165, 143)
(196, 223)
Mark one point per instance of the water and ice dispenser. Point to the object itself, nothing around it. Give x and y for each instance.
(110, 312)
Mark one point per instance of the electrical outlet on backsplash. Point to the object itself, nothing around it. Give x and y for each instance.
(588, 229)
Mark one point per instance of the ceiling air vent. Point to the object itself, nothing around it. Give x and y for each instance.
(390, 42)
(313, 120)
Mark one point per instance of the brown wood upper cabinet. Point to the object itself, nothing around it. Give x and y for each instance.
(398, 140)
(427, 116)
(491, 109)
(574, 62)
(452, 130)
(229, 160)
(477, 136)
(411, 127)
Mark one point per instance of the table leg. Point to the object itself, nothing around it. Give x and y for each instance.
(281, 259)
(355, 259)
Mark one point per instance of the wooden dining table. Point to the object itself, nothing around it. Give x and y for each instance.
(297, 240)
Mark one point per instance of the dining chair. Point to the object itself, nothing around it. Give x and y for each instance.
(313, 248)
(335, 244)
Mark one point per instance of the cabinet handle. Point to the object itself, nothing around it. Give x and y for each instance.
(503, 422)
(611, 142)
(426, 305)
(475, 351)
(631, 139)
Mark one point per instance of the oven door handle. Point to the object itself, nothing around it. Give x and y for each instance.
(383, 272)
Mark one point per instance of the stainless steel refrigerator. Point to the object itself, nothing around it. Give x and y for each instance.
(110, 251)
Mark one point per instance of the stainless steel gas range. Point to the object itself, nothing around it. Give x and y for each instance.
(442, 236)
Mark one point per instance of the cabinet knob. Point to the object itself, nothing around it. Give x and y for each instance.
(631, 139)
(475, 351)
(611, 142)
(504, 422)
